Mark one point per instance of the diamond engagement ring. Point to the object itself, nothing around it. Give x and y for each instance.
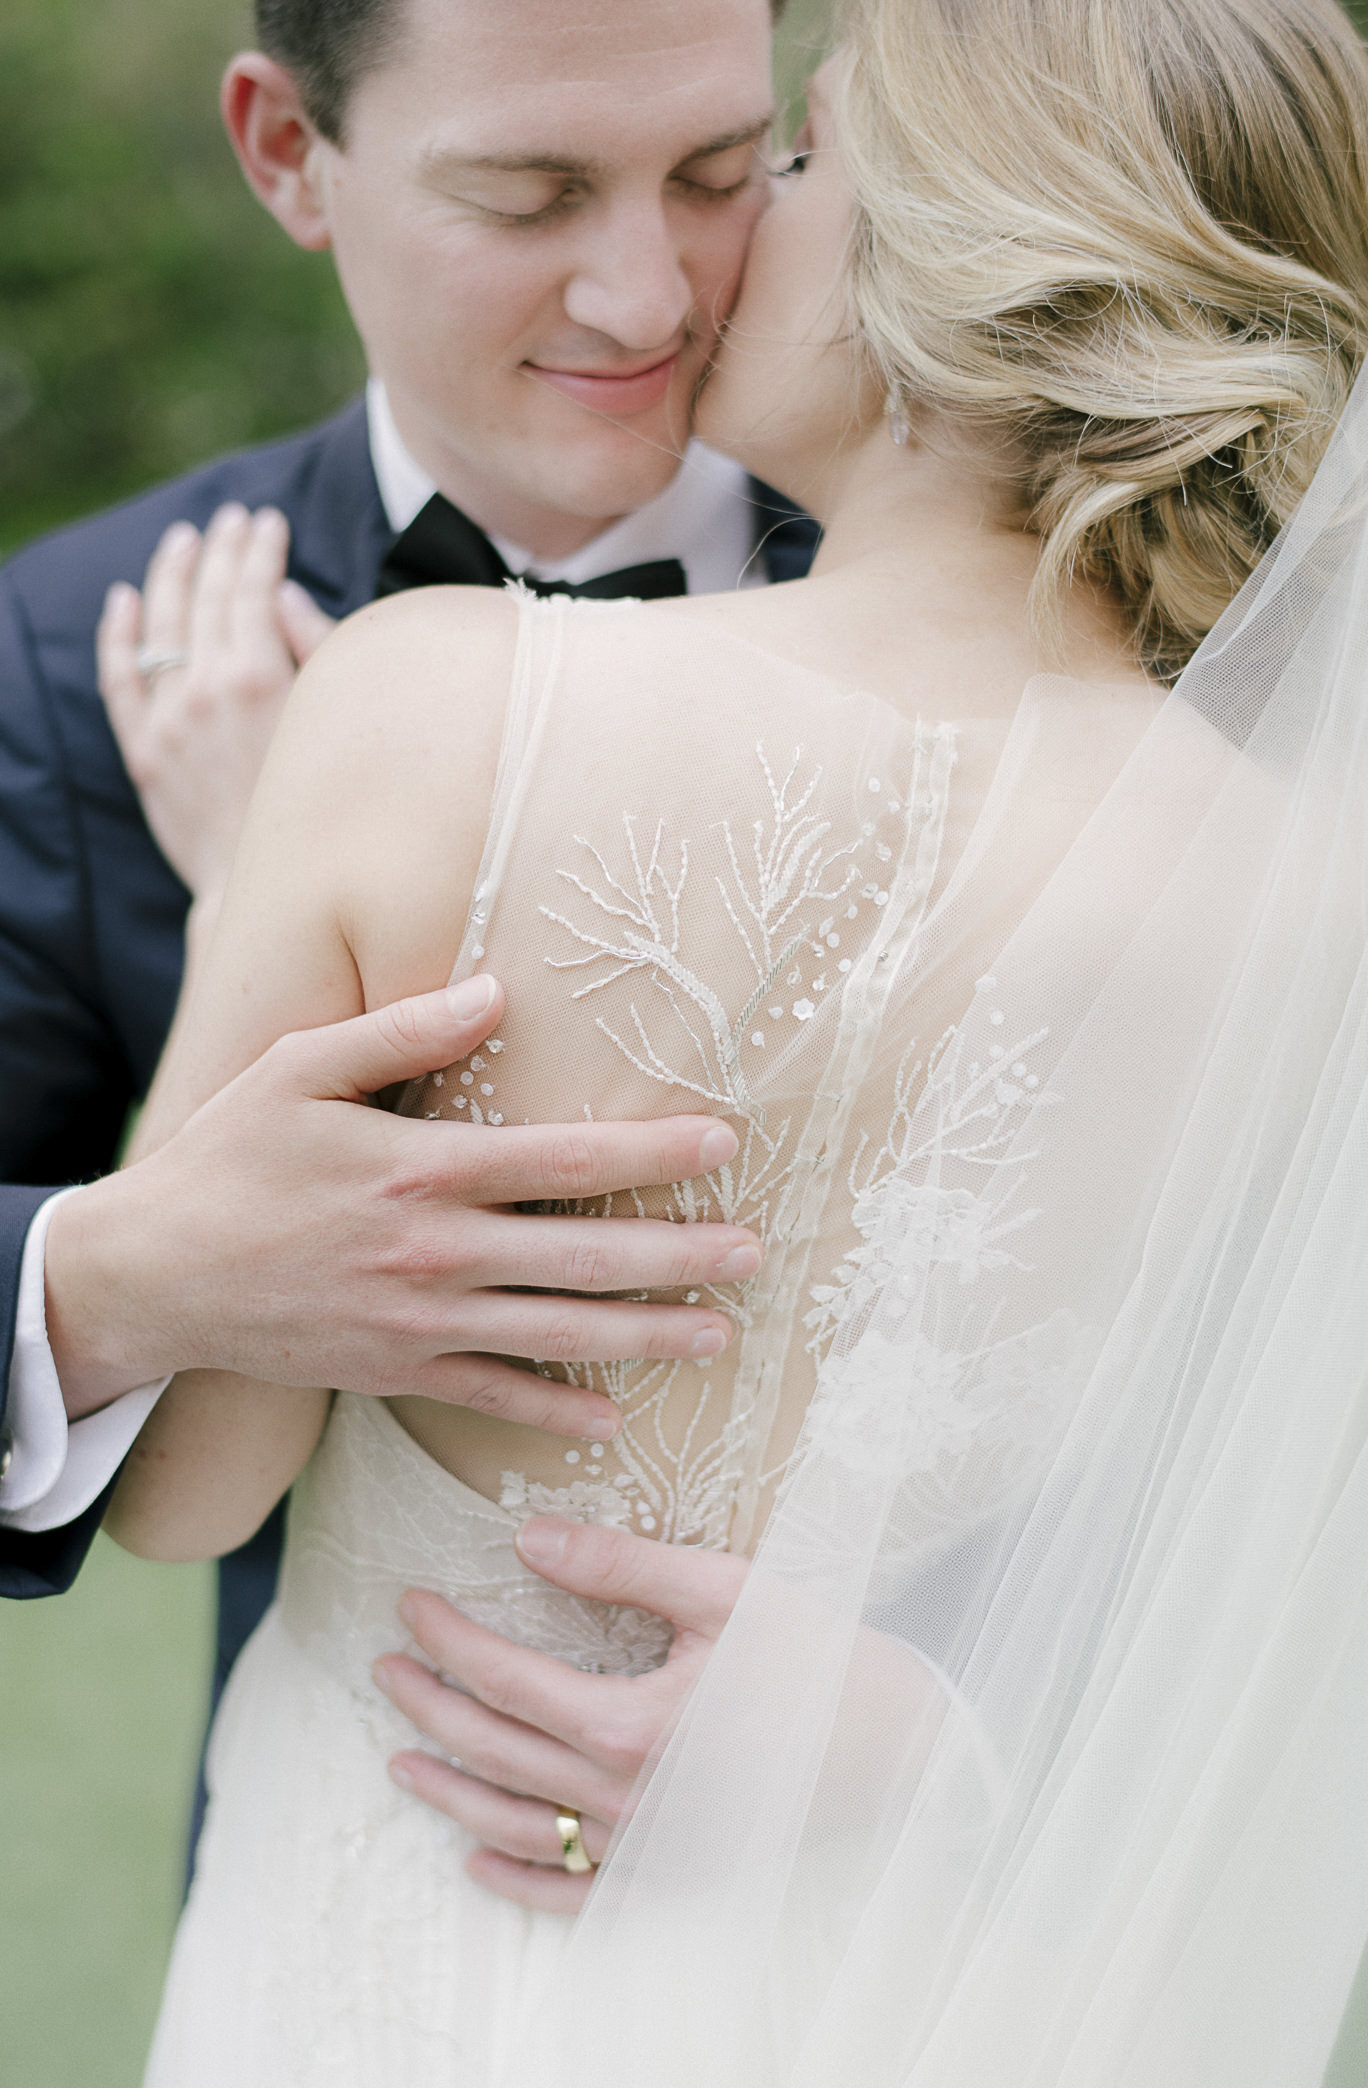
(152, 661)
(574, 1855)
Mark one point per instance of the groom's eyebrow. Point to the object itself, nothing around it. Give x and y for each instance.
(556, 163)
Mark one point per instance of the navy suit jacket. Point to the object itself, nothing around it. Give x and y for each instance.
(91, 915)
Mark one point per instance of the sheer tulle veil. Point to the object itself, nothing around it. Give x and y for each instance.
(1035, 1750)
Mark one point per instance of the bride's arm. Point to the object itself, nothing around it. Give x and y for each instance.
(359, 800)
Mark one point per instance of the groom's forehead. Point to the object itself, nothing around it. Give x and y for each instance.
(550, 69)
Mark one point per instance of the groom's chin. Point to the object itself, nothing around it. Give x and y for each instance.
(602, 468)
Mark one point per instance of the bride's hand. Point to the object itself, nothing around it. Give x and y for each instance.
(194, 672)
(534, 1736)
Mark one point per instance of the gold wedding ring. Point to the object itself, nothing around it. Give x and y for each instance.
(574, 1855)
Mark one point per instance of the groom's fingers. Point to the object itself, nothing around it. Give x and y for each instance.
(567, 1162)
(558, 1329)
(348, 1061)
(603, 1254)
(488, 1385)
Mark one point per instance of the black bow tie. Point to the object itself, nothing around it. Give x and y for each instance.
(442, 547)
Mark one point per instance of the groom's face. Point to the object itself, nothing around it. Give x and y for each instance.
(540, 211)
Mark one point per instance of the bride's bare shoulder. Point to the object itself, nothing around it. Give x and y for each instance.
(386, 757)
(404, 701)
(413, 649)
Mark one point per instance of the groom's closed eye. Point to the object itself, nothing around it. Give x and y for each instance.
(524, 189)
(722, 173)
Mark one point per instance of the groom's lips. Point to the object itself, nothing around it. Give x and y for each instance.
(612, 391)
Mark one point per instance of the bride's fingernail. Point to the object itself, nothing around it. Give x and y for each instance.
(380, 1676)
(402, 1775)
(472, 998)
(718, 1146)
(407, 1613)
(710, 1342)
(542, 1541)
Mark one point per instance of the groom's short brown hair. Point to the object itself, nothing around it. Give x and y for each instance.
(328, 44)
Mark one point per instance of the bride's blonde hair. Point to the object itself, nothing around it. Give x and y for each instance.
(1132, 237)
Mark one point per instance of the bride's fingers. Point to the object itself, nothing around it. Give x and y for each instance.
(122, 685)
(694, 1587)
(167, 589)
(533, 1690)
(217, 580)
(524, 1828)
(253, 610)
(531, 1885)
(305, 625)
(498, 1750)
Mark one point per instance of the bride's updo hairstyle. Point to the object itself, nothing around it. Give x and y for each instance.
(1132, 237)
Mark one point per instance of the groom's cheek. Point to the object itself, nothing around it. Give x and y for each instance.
(728, 264)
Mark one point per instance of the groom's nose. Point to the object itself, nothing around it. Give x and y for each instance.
(630, 281)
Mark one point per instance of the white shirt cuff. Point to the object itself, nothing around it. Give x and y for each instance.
(56, 1469)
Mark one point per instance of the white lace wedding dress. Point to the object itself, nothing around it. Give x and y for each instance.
(706, 877)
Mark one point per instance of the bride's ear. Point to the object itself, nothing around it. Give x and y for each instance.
(279, 148)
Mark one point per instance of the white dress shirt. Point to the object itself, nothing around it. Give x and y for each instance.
(704, 518)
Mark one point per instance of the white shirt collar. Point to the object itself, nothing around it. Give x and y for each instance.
(704, 517)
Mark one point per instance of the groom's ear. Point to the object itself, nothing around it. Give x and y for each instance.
(278, 147)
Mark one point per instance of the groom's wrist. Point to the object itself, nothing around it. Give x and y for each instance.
(102, 1313)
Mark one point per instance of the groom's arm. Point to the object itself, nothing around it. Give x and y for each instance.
(32, 1420)
(65, 1082)
(167, 1266)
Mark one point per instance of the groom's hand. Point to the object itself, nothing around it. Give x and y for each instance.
(532, 1735)
(292, 1233)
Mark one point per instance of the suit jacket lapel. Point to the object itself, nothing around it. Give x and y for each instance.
(341, 531)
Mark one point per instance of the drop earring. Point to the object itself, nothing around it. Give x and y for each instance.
(897, 420)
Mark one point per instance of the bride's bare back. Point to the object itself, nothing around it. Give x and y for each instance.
(697, 842)
(712, 879)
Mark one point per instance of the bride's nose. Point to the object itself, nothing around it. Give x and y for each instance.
(630, 282)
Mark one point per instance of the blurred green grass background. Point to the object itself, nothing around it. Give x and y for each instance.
(150, 316)
(102, 1698)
